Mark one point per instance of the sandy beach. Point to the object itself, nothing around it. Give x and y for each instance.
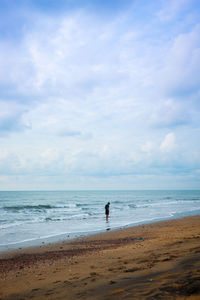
(154, 261)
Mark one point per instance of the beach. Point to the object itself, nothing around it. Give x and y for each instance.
(152, 261)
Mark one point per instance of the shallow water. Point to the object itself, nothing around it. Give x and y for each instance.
(30, 218)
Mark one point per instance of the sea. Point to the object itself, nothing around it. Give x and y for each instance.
(33, 218)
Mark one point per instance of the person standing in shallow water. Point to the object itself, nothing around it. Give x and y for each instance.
(107, 210)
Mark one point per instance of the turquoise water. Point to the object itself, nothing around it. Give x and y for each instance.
(32, 218)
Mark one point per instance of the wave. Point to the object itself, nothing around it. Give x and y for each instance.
(39, 207)
(132, 205)
(77, 216)
(30, 207)
(52, 219)
(84, 204)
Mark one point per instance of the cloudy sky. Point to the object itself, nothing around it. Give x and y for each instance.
(99, 94)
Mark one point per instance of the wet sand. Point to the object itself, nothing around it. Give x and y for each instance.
(155, 261)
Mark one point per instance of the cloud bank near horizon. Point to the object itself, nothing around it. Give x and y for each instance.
(96, 96)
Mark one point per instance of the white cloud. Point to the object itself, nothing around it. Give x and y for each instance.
(147, 147)
(3, 154)
(170, 113)
(168, 143)
(50, 154)
(69, 56)
(171, 8)
(181, 72)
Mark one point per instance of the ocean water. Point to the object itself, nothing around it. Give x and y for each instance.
(32, 218)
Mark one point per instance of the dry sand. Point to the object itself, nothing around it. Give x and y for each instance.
(154, 261)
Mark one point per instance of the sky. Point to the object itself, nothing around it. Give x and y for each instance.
(99, 94)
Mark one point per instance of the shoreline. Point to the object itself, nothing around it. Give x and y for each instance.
(67, 237)
(162, 256)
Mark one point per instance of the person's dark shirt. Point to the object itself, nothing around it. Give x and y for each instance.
(107, 209)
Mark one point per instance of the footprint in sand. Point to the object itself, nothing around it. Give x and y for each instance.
(131, 270)
(92, 267)
(112, 282)
(48, 293)
(35, 290)
(93, 279)
(93, 274)
(66, 282)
